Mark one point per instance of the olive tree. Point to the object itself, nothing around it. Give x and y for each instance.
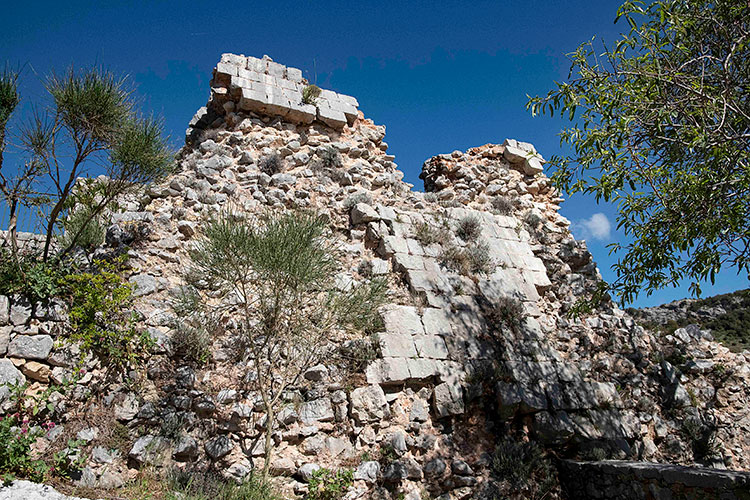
(275, 277)
(660, 125)
(91, 125)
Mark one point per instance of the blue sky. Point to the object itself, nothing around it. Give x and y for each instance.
(440, 75)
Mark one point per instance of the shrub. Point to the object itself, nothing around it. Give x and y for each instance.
(331, 158)
(310, 94)
(508, 312)
(270, 164)
(522, 464)
(28, 417)
(469, 228)
(101, 316)
(479, 259)
(29, 275)
(192, 343)
(702, 438)
(474, 259)
(502, 205)
(326, 484)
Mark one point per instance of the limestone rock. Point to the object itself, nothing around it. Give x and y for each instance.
(35, 347)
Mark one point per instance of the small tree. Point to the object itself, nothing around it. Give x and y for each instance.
(92, 121)
(663, 130)
(277, 279)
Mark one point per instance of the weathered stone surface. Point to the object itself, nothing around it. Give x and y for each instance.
(4, 339)
(368, 404)
(9, 374)
(4, 310)
(35, 347)
(145, 284)
(363, 213)
(149, 449)
(305, 472)
(219, 447)
(368, 472)
(317, 410)
(448, 399)
(20, 311)
(397, 345)
(36, 371)
(403, 320)
(387, 371)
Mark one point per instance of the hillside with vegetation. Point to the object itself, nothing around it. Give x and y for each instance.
(726, 316)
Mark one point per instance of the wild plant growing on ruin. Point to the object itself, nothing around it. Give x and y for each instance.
(276, 277)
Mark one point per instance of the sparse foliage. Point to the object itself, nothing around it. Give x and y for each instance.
(277, 276)
(502, 205)
(327, 484)
(469, 228)
(270, 164)
(310, 94)
(92, 122)
(663, 125)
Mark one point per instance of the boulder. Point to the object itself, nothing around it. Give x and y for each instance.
(9, 374)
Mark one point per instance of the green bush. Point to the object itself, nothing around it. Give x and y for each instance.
(310, 94)
(327, 484)
(28, 417)
(29, 275)
(101, 317)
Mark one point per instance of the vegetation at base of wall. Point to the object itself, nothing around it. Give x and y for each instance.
(327, 484)
(310, 94)
(30, 416)
(524, 467)
(185, 485)
(101, 315)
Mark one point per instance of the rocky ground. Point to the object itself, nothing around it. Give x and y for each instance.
(476, 348)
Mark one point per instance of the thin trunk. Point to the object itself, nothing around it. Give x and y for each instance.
(269, 435)
(12, 222)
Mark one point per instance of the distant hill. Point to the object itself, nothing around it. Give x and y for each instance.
(726, 315)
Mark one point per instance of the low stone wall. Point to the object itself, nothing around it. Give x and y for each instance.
(621, 480)
(26, 241)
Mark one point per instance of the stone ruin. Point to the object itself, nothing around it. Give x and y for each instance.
(453, 373)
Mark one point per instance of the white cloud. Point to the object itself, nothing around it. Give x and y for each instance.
(597, 227)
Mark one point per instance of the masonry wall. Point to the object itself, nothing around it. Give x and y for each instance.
(620, 480)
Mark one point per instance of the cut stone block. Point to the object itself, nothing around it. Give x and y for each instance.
(431, 346)
(387, 371)
(397, 345)
(403, 320)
